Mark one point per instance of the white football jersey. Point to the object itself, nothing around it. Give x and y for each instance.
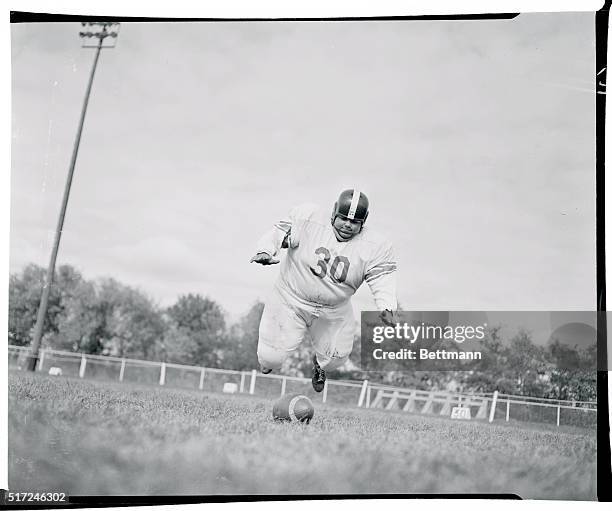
(319, 270)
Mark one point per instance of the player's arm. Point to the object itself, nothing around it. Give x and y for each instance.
(381, 278)
(271, 242)
(284, 234)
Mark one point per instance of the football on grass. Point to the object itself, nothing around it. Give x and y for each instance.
(294, 407)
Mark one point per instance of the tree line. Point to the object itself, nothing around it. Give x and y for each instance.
(106, 317)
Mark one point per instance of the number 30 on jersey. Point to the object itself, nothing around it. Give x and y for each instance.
(323, 267)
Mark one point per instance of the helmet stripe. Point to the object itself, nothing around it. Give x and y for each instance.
(354, 204)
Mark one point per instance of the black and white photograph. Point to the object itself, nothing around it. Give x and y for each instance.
(230, 239)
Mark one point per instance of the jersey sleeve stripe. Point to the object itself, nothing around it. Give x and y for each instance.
(373, 276)
(381, 267)
(283, 226)
(384, 265)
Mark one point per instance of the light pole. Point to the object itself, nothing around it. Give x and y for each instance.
(96, 33)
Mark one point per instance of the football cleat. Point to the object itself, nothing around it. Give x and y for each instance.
(265, 370)
(318, 375)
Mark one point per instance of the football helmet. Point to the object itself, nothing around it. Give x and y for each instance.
(351, 204)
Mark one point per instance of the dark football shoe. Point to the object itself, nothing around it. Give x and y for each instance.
(318, 375)
(265, 370)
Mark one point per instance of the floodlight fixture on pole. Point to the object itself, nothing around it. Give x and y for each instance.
(96, 35)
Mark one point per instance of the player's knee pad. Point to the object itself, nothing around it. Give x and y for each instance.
(271, 357)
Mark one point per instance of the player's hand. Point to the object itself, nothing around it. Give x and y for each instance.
(264, 258)
(386, 317)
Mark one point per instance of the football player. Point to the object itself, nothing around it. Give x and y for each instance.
(326, 263)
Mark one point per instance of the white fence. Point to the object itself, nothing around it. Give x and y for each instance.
(532, 409)
(491, 406)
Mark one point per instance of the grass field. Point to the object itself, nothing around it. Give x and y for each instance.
(94, 438)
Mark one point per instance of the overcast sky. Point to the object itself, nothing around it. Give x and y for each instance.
(474, 141)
